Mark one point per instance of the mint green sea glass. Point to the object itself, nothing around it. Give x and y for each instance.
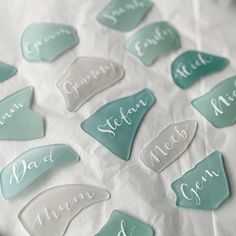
(47, 41)
(115, 124)
(30, 165)
(17, 121)
(191, 66)
(219, 105)
(153, 41)
(6, 71)
(205, 186)
(121, 224)
(124, 15)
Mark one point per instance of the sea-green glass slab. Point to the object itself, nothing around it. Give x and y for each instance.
(191, 66)
(205, 186)
(124, 15)
(121, 224)
(17, 121)
(50, 213)
(169, 145)
(219, 105)
(6, 71)
(47, 41)
(153, 41)
(116, 123)
(30, 165)
(86, 77)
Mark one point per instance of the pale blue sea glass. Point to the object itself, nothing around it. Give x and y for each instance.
(30, 165)
(116, 123)
(205, 186)
(47, 41)
(124, 15)
(17, 121)
(153, 41)
(6, 71)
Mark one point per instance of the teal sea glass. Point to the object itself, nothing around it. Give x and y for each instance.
(47, 41)
(30, 165)
(115, 124)
(17, 121)
(219, 105)
(205, 186)
(121, 224)
(6, 71)
(124, 15)
(191, 66)
(153, 41)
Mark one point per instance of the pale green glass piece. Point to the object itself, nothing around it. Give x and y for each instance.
(205, 186)
(191, 66)
(121, 224)
(116, 123)
(219, 105)
(17, 121)
(50, 213)
(30, 165)
(47, 41)
(153, 41)
(6, 71)
(124, 15)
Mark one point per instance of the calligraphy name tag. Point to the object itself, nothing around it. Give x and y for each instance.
(153, 41)
(191, 66)
(47, 41)
(219, 105)
(115, 124)
(6, 71)
(205, 186)
(50, 213)
(121, 224)
(17, 121)
(87, 77)
(124, 15)
(30, 165)
(169, 145)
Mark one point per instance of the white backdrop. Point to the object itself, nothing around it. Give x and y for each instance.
(204, 25)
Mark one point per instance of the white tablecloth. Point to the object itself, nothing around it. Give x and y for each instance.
(203, 25)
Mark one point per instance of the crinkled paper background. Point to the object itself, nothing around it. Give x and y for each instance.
(207, 25)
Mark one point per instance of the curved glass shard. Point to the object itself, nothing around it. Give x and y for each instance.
(153, 41)
(17, 121)
(115, 124)
(203, 187)
(219, 105)
(50, 213)
(86, 77)
(124, 15)
(47, 41)
(6, 71)
(169, 145)
(30, 165)
(191, 66)
(121, 224)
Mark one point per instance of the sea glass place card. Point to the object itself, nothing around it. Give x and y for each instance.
(153, 41)
(205, 186)
(169, 145)
(191, 66)
(115, 124)
(47, 41)
(124, 15)
(219, 105)
(17, 121)
(86, 77)
(121, 224)
(50, 213)
(30, 165)
(6, 71)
